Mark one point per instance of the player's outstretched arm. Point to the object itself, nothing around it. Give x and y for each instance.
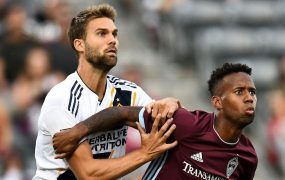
(153, 144)
(67, 141)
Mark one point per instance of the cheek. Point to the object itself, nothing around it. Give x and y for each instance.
(255, 102)
(94, 49)
(95, 42)
(232, 105)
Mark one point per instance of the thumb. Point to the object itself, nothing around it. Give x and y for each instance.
(141, 130)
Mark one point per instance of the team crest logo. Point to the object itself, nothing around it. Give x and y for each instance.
(232, 165)
(119, 104)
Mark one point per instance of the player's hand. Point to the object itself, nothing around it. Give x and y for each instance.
(166, 107)
(154, 144)
(65, 142)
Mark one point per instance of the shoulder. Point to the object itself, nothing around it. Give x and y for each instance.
(250, 156)
(121, 83)
(59, 95)
(135, 93)
(59, 109)
(247, 145)
(191, 123)
(196, 114)
(195, 118)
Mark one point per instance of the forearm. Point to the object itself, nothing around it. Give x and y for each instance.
(107, 119)
(85, 167)
(115, 168)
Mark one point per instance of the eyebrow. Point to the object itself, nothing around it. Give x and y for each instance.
(105, 29)
(250, 88)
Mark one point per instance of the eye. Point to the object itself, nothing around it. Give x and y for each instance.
(101, 33)
(238, 92)
(115, 34)
(252, 92)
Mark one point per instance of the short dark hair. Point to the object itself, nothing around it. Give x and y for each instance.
(219, 73)
(77, 29)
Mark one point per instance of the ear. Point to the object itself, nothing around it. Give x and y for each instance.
(79, 45)
(217, 102)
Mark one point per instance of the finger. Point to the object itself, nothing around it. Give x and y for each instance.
(155, 109)
(179, 104)
(171, 112)
(54, 142)
(164, 114)
(154, 128)
(169, 132)
(140, 129)
(55, 148)
(59, 133)
(61, 156)
(165, 126)
(55, 145)
(149, 107)
(58, 151)
(166, 147)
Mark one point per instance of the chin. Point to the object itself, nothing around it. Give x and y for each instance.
(247, 120)
(111, 60)
(110, 65)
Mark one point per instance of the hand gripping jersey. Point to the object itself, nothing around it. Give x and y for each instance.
(71, 102)
(201, 153)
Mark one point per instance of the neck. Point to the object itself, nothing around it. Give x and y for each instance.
(94, 79)
(227, 131)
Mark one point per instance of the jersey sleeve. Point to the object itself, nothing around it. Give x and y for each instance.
(55, 120)
(249, 164)
(184, 120)
(249, 172)
(186, 124)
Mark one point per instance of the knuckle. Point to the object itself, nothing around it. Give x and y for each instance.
(163, 129)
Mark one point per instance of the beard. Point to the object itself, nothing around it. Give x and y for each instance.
(100, 61)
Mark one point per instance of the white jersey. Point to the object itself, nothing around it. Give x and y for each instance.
(71, 102)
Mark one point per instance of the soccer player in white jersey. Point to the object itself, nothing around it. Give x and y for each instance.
(93, 35)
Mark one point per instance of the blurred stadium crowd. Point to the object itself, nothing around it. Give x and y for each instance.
(168, 47)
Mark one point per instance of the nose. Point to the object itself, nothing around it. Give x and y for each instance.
(249, 97)
(113, 40)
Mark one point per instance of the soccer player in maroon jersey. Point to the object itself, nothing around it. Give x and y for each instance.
(210, 145)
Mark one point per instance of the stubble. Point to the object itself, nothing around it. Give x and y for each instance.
(99, 60)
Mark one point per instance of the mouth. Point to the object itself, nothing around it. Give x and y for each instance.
(250, 111)
(112, 51)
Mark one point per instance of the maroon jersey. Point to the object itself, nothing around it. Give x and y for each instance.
(201, 153)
